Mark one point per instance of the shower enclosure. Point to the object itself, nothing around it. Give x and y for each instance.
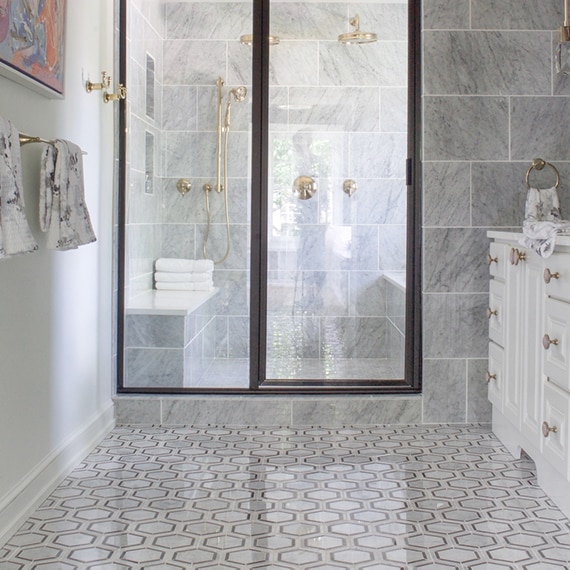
(277, 140)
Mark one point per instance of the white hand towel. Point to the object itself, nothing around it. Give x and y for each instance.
(543, 221)
(183, 265)
(63, 212)
(172, 277)
(196, 286)
(15, 234)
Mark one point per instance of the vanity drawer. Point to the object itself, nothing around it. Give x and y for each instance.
(556, 412)
(496, 312)
(557, 276)
(556, 343)
(495, 374)
(497, 260)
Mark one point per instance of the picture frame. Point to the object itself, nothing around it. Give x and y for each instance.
(32, 42)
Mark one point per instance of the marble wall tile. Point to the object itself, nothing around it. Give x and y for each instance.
(307, 21)
(142, 248)
(393, 111)
(180, 110)
(215, 410)
(233, 295)
(447, 191)
(130, 410)
(222, 337)
(216, 247)
(194, 154)
(289, 212)
(454, 260)
(466, 128)
(207, 20)
(396, 350)
(193, 62)
(294, 63)
(453, 63)
(388, 20)
(347, 410)
(381, 63)
(154, 367)
(238, 337)
(444, 391)
(178, 240)
(478, 405)
(334, 108)
(499, 193)
(353, 337)
(142, 207)
(520, 15)
(367, 294)
(375, 202)
(377, 155)
(536, 128)
(445, 14)
(392, 247)
(358, 247)
(454, 325)
(154, 330)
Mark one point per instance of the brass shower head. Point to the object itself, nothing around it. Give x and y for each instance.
(356, 36)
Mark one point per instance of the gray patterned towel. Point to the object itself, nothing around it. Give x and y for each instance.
(63, 212)
(15, 234)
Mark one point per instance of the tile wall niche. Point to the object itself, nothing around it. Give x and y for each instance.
(492, 102)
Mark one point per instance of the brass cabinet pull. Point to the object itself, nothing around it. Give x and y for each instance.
(547, 341)
(548, 275)
(489, 376)
(546, 429)
(490, 312)
(517, 256)
(492, 260)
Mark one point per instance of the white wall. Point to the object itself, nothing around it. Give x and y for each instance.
(56, 307)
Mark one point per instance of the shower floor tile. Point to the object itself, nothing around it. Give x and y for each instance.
(426, 497)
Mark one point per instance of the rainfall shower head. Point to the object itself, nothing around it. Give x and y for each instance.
(356, 36)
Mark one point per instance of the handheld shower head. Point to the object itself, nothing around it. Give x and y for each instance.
(239, 94)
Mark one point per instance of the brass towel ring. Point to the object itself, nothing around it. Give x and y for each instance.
(539, 164)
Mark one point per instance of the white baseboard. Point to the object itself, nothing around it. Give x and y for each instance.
(21, 501)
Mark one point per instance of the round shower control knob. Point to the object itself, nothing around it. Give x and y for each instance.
(304, 187)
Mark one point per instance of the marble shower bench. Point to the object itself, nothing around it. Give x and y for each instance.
(169, 338)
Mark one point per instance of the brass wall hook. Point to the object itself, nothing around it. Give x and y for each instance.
(120, 94)
(105, 83)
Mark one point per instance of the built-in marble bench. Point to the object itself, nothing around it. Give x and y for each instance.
(396, 318)
(169, 338)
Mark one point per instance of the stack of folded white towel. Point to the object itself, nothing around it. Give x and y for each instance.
(172, 274)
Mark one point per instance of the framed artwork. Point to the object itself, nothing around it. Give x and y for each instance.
(32, 44)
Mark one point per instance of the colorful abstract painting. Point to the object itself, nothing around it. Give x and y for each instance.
(32, 41)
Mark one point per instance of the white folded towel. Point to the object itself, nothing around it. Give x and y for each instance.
(183, 265)
(543, 221)
(195, 286)
(166, 276)
(15, 234)
(63, 212)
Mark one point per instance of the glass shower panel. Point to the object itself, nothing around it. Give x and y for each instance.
(187, 195)
(337, 192)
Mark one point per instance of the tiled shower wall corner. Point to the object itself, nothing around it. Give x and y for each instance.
(492, 102)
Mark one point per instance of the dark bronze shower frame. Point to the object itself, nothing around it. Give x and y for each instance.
(411, 383)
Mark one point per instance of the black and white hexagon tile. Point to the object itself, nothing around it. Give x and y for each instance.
(426, 497)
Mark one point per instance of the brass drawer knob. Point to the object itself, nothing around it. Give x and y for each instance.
(490, 312)
(546, 429)
(489, 376)
(492, 260)
(547, 341)
(517, 256)
(548, 275)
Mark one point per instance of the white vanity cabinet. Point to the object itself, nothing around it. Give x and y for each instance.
(529, 356)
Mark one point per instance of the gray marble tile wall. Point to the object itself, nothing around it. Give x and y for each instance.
(492, 103)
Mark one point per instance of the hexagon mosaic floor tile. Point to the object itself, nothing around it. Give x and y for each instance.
(426, 497)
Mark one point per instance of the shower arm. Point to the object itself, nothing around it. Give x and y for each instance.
(564, 31)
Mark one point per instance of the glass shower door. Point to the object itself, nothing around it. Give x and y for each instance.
(337, 193)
